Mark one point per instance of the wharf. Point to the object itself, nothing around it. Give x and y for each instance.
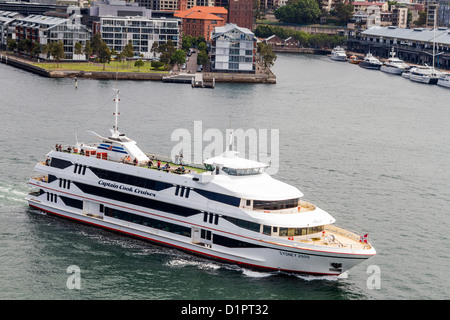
(195, 79)
(179, 78)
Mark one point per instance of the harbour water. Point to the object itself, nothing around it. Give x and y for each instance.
(368, 147)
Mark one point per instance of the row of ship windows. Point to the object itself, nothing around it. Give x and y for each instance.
(52, 197)
(173, 228)
(146, 221)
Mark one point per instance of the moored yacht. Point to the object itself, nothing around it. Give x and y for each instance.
(338, 54)
(394, 65)
(444, 81)
(424, 74)
(354, 60)
(227, 209)
(370, 62)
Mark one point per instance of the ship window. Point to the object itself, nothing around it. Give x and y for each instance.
(232, 243)
(149, 222)
(59, 163)
(290, 232)
(275, 205)
(242, 172)
(75, 203)
(205, 234)
(252, 226)
(266, 230)
(209, 167)
(223, 198)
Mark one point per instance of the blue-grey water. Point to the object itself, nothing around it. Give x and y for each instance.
(370, 148)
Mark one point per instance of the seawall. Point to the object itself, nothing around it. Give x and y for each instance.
(22, 64)
(261, 76)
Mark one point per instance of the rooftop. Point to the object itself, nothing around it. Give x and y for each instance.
(441, 35)
(202, 16)
(202, 12)
(229, 27)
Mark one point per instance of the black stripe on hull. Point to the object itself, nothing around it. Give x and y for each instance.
(191, 251)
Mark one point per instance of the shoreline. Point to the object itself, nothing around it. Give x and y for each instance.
(263, 75)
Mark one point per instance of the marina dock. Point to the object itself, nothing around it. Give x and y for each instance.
(195, 79)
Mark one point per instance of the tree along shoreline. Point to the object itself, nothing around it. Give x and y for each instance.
(306, 40)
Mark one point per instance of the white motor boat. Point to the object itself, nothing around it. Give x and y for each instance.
(406, 74)
(338, 54)
(444, 81)
(425, 74)
(394, 65)
(370, 62)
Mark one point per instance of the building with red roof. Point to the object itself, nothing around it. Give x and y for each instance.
(201, 20)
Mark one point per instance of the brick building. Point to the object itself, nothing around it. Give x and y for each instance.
(241, 13)
(201, 20)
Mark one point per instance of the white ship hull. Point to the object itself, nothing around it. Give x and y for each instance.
(392, 70)
(423, 79)
(337, 57)
(444, 82)
(264, 256)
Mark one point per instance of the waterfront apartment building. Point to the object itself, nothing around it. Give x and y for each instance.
(7, 28)
(41, 30)
(233, 49)
(141, 31)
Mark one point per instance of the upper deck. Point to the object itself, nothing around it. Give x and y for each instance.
(156, 162)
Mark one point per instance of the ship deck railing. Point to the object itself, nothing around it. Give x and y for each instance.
(174, 167)
(303, 206)
(331, 236)
(42, 178)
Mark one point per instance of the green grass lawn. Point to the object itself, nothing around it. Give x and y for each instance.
(113, 66)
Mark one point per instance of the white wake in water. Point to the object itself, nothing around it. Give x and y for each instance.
(257, 274)
(181, 263)
(11, 196)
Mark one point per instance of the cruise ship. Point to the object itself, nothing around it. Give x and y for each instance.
(229, 209)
